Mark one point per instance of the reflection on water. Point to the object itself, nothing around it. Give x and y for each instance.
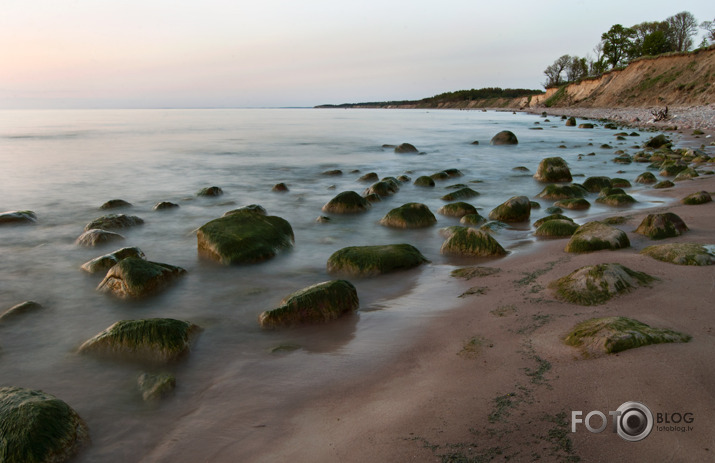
(64, 164)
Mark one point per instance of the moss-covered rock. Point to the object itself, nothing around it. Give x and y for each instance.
(17, 217)
(244, 238)
(211, 191)
(610, 335)
(115, 204)
(404, 178)
(405, 148)
(596, 284)
(553, 170)
(453, 172)
(553, 210)
(514, 209)
(555, 192)
(347, 202)
(687, 174)
(441, 175)
(153, 340)
(113, 222)
(595, 236)
(575, 204)
(134, 278)
(556, 216)
(258, 209)
(369, 177)
(671, 170)
(36, 427)
(682, 253)
(107, 261)
(373, 198)
(280, 188)
(657, 142)
(472, 219)
(470, 242)
(616, 200)
(96, 237)
(462, 193)
(620, 183)
(646, 178)
(164, 205)
(556, 228)
(318, 303)
(505, 137)
(458, 209)
(659, 226)
(156, 386)
(19, 309)
(424, 181)
(699, 197)
(382, 188)
(410, 215)
(571, 122)
(596, 184)
(374, 260)
(615, 220)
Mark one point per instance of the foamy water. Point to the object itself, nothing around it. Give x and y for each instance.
(64, 164)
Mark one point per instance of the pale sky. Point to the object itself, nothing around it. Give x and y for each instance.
(239, 53)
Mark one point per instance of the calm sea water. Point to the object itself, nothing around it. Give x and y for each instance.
(64, 164)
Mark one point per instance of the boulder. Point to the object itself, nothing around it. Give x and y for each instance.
(369, 177)
(671, 169)
(657, 142)
(514, 209)
(19, 309)
(211, 191)
(258, 209)
(156, 386)
(424, 181)
(700, 197)
(280, 188)
(555, 192)
(610, 335)
(441, 175)
(244, 237)
(115, 204)
(596, 184)
(113, 222)
(555, 216)
(134, 278)
(553, 170)
(381, 188)
(155, 340)
(571, 122)
(374, 260)
(664, 184)
(504, 137)
(616, 200)
(410, 215)
(472, 219)
(659, 226)
(596, 284)
(470, 242)
(17, 217)
(405, 148)
(319, 303)
(556, 228)
(458, 209)
(686, 174)
(646, 178)
(404, 178)
(586, 125)
(95, 237)
(620, 183)
(107, 261)
(574, 204)
(682, 253)
(36, 427)
(347, 202)
(333, 172)
(164, 205)
(462, 193)
(595, 236)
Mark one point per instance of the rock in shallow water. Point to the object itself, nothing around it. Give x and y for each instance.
(463, 241)
(595, 236)
(374, 260)
(113, 221)
(505, 137)
(514, 209)
(659, 226)
(95, 237)
(107, 261)
(156, 386)
(410, 215)
(553, 170)
(134, 278)
(19, 309)
(17, 217)
(347, 202)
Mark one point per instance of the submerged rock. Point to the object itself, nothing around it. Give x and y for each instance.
(156, 386)
(595, 236)
(211, 191)
(682, 253)
(153, 339)
(610, 335)
(164, 205)
(95, 237)
(17, 217)
(555, 192)
(553, 170)
(375, 260)
(410, 215)
(472, 219)
(134, 277)
(555, 216)
(646, 178)
(115, 204)
(245, 237)
(36, 427)
(571, 122)
(664, 184)
(458, 209)
(113, 222)
(107, 261)
(318, 303)
(700, 197)
(424, 181)
(505, 137)
(369, 177)
(462, 193)
(258, 209)
(465, 241)
(19, 309)
(574, 204)
(686, 174)
(659, 226)
(620, 183)
(514, 209)
(280, 188)
(405, 148)
(347, 202)
(596, 184)
(656, 142)
(616, 200)
(382, 188)
(556, 228)
(596, 284)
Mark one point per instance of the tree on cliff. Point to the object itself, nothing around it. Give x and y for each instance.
(683, 27)
(652, 38)
(709, 27)
(618, 45)
(553, 72)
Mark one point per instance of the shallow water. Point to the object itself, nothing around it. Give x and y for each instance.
(64, 164)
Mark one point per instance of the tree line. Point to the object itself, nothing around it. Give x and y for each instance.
(620, 45)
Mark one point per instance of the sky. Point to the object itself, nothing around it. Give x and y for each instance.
(278, 53)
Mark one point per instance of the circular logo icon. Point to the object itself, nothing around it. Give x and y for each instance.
(635, 421)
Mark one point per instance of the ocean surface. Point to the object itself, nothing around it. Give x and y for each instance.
(64, 164)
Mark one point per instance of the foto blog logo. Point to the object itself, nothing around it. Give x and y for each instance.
(632, 421)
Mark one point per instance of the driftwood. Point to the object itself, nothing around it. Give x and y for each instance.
(660, 115)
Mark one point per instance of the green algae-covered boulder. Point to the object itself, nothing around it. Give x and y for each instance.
(571, 122)
(374, 260)
(505, 137)
(17, 217)
(596, 184)
(405, 148)
(656, 142)
(620, 183)
(36, 427)
(472, 219)
(671, 169)
(586, 125)
(369, 177)
(664, 184)
(244, 238)
(19, 309)
(556, 192)
(113, 221)
(616, 200)
(462, 193)
(424, 181)
(319, 303)
(553, 170)
(574, 204)
(441, 175)
(682, 253)
(514, 209)
(557, 216)
(115, 204)
(347, 202)
(164, 206)
(134, 278)
(458, 209)
(381, 188)
(107, 261)
(209, 192)
(556, 228)
(659, 226)
(257, 208)
(156, 386)
(465, 241)
(646, 178)
(410, 215)
(610, 335)
(154, 340)
(686, 174)
(595, 236)
(96, 237)
(700, 197)
(596, 284)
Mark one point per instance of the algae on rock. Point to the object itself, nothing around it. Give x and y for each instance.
(682, 253)
(374, 260)
(596, 284)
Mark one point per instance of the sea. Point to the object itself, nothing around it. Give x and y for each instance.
(64, 164)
